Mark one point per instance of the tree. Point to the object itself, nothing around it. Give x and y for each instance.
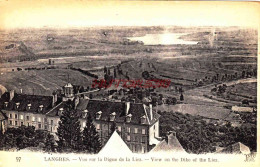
(68, 132)
(115, 73)
(49, 144)
(112, 128)
(91, 142)
(181, 97)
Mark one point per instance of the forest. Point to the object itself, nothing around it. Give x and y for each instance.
(197, 136)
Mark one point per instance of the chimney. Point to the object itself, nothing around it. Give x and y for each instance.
(11, 95)
(54, 98)
(171, 138)
(127, 104)
(151, 111)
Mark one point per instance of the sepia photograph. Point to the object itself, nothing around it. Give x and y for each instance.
(128, 83)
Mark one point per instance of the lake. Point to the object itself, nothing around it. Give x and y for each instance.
(163, 39)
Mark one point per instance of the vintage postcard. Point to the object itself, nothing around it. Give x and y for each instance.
(128, 83)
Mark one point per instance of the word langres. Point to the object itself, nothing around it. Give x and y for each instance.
(154, 83)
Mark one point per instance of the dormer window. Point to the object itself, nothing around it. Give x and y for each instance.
(128, 118)
(29, 106)
(85, 113)
(6, 104)
(17, 105)
(112, 116)
(98, 115)
(60, 111)
(143, 119)
(40, 108)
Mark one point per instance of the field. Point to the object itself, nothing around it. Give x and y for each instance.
(241, 91)
(222, 55)
(42, 82)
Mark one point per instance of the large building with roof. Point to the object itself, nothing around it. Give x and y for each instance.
(136, 123)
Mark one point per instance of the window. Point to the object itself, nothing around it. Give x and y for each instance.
(28, 124)
(128, 129)
(51, 122)
(136, 148)
(143, 139)
(21, 116)
(27, 118)
(154, 127)
(39, 126)
(119, 128)
(33, 118)
(39, 119)
(128, 138)
(21, 123)
(98, 126)
(136, 130)
(16, 123)
(15, 116)
(10, 116)
(143, 131)
(143, 149)
(10, 122)
(45, 120)
(45, 127)
(136, 139)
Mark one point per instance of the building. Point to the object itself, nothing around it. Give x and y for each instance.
(29, 110)
(136, 123)
(236, 148)
(170, 145)
(242, 109)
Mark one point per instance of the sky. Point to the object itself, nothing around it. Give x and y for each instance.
(82, 13)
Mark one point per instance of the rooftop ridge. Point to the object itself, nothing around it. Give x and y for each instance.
(54, 108)
(113, 101)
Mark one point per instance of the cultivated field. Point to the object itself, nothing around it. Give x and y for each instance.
(42, 82)
(220, 53)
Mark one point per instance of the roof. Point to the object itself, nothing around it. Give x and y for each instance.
(119, 108)
(34, 100)
(171, 144)
(115, 145)
(242, 109)
(3, 116)
(137, 110)
(68, 85)
(236, 148)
